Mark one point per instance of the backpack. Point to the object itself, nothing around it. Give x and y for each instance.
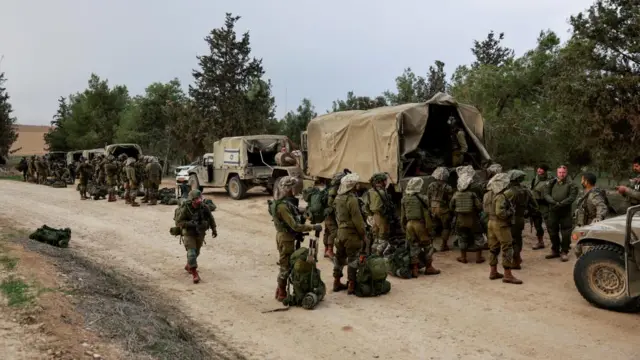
(317, 201)
(308, 288)
(399, 262)
(371, 278)
(52, 236)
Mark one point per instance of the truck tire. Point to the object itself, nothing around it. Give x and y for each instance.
(600, 277)
(194, 184)
(236, 188)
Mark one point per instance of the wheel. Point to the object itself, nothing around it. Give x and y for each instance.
(194, 184)
(600, 277)
(237, 189)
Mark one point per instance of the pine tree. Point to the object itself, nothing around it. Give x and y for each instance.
(8, 133)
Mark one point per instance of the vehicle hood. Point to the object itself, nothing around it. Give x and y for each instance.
(184, 170)
(611, 230)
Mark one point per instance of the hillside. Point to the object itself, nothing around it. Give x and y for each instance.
(30, 140)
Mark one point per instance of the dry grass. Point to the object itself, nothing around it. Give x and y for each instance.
(30, 140)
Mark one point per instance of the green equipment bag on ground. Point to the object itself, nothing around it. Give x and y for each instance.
(96, 191)
(371, 278)
(52, 236)
(308, 288)
(317, 201)
(399, 261)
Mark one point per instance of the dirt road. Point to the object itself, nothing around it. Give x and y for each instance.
(458, 314)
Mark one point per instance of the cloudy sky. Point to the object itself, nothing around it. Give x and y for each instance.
(314, 49)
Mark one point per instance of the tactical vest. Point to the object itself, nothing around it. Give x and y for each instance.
(279, 224)
(464, 202)
(438, 199)
(582, 215)
(413, 208)
(537, 187)
(343, 217)
(111, 169)
(519, 197)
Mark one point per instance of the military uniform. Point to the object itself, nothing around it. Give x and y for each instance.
(458, 146)
(351, 232)
(194, 218)
(524, 203)
(330, 223)
(144, 178)
(381, 208)
(560, 196)
(41, 168)
(111, 172)
(133, 179)
(84, 172)
(102, 175)
(538, 185)
(467, 206)
(500, 213)
(414, 215)
(439, 195)
(592, 206)
(287, 227)
(153, 171)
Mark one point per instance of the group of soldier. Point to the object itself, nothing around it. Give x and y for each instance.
(487, 210)
(121, 176)
(42, 170)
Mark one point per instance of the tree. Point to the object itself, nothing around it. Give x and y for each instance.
(490, 52)
(8, 133)
(56, 137)
(436, 80)
(353, 102)
(411, 89)
(229, 91)
(296, 123)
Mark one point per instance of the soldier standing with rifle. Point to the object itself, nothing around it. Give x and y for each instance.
(542, 216)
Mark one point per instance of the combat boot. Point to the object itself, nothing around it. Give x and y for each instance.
(509, 278)
(187, 268)
(463, 257)
(415, 270)
(517, 260)
(127, 199)
(281, 292)
(540, 244)
(479, 258)
(351, 287)
(328, 252)
(430, 270)
(134, 203)
(153, 201)
(494, 274)
(337, 285)
(445, 241)
(196, 276)
(112, 197)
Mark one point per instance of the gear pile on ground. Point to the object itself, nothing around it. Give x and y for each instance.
(167, 196)
(52, 236)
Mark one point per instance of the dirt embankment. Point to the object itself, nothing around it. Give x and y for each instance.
(458, 314)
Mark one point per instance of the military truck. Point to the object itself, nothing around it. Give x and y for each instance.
(131, 150)
(90, 154)
(404, 141)
(607, 272)
(239, 163)
(73, 157)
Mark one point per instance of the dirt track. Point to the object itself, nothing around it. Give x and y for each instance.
(458, 314)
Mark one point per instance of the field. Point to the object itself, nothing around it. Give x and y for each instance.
(458, 314)
(30, 140)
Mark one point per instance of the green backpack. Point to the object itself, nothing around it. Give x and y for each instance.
(399, 262)
(317, 201)
(371, 278)
(52, 236)
(308, 288)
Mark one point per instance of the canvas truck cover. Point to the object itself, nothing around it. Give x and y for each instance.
(368, 141)
(233, 149)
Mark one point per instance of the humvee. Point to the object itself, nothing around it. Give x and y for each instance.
(239, 163)
(607, 272)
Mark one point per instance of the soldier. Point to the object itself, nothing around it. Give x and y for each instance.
(133, 179)
(524, 204)
(41, 168)
(111, 171)
(102, 173)
(500, 212)
(467, 206)
(122, 176)
(84, 172)
(351, 233)
(541, 217)
(593, 205)
(560, 195)
(458, 142)
(154, 177)
(284, 213)
(330, 224)
(381, 208)
(439, 194)
(630, 192)
(144, 179)
(194, 219)
(414, 215)
(23, 166)
(32, 168)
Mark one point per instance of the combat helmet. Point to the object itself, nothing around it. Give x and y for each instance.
(516, 175)
(194, 194)
(377, 178)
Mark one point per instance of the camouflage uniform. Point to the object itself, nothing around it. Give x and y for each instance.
(524, 203)
(351, 233)
(154, 177)
(330, 223)
(111, 172)
(458, 144)
(560, 196)
(379, 206)
(133, 179)
(32, 168)
(84, 172)
(41, 168)
(592, 207)
(194, 219)
(414, 215)
(439, 194)
(287, 227)
(102, 175)
(500, 212)
(144, 178)
(122, 175)
(538, 185)
(467, 206)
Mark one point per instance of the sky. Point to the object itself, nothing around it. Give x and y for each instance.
(314, 49)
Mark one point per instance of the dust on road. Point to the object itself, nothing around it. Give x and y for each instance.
(458, 314)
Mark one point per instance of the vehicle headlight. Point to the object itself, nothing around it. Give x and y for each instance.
(577, 235)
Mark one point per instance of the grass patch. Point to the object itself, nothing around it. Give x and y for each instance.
(11, 177)
(8, 262)
(16, 290)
